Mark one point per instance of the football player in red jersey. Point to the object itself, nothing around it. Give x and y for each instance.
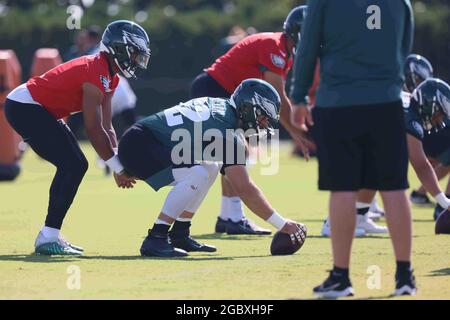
(267, 56)
(86, 84)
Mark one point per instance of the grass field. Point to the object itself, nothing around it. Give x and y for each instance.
(111, 223)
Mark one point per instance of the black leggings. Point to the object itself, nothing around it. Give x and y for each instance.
(206, 86)
(53, 141)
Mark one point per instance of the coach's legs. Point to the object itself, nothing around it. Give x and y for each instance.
(398, 218)
(342, 224)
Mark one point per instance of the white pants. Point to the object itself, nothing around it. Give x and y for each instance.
(190, 188)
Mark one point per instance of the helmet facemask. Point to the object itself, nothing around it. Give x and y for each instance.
(432, 114)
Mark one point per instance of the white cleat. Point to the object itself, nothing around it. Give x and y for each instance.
(374, 207)
(375, 216)
(326, 232)
(367, 224)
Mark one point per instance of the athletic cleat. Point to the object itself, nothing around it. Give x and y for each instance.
(374, 216)
(334, 287)
(221, 225)
(375, 208)
(326, 231)
(365, 223)
(156, 245)
(405, 284)
(190, 245)
(52, 247)
(437, 211)
(419, 198)
(71, 245)
(245, 226)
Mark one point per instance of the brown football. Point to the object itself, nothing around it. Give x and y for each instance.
(443, 223)
(282, 244)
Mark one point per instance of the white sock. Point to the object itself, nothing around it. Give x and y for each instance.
(235, 209)
(224, 208)
(362, 205)
(51, 233)
(184, 219)
(158, 221)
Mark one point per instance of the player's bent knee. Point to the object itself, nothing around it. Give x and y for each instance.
(213, 170)
(77, 166)
(199, 175)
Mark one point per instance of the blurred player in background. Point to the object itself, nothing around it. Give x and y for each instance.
(427, 122)
(417, 70)
(266, 56)
(147, 152)
(85, 84)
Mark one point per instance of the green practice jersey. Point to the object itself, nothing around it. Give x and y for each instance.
(202, 129)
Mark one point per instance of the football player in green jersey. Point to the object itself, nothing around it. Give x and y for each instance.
(186, 146)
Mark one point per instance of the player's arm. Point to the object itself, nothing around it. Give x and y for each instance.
(107, 120)
(305, 60)
(100, 140)
(255, 200)
(425, 171)
(286, 117)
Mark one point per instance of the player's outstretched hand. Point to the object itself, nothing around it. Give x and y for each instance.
(301, 141)
(295, 230)
(301, 116)
(124, 181)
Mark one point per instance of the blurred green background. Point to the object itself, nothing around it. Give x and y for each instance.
(184, 34)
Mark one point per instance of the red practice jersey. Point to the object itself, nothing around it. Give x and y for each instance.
(250, 57)
(60, 90)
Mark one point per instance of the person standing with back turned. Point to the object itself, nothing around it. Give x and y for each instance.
(362, 46)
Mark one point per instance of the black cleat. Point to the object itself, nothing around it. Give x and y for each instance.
(189, 244)
(221, 225)
(334, 287)
(245, 226)
(405, 284)
(420, 198)
(156, 245)
(437, 211)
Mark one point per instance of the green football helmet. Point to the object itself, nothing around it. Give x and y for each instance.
(294, 21)
(432, 98)
(128, 44)
(257, 105)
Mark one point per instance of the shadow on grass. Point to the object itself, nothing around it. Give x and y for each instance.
(188, 258)
(57, 259)
(224, 236)
(37, 258)
(389, 296)
(385, 236)
(440, 272)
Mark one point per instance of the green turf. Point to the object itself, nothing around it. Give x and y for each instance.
(110, 224)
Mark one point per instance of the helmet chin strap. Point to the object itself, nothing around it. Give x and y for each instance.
(124, 72)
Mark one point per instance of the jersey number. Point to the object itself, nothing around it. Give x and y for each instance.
(174, 115)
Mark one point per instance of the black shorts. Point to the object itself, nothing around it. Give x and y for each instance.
(361, 147)
(141, 154)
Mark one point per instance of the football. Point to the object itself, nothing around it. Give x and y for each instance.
(283, 244)
(443, 223)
